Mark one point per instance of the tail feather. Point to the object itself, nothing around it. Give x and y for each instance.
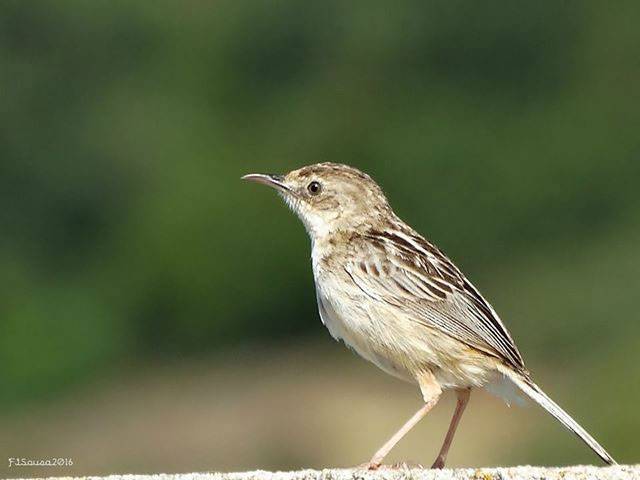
(536, 394)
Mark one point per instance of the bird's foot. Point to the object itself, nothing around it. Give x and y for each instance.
(373, 465)
(439, 463)
(369, 466)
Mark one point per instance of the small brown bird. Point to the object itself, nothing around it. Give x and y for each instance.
(399, 302)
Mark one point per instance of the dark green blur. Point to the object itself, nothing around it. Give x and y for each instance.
(506, 132)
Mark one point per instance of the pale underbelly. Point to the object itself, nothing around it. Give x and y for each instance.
(403, 347)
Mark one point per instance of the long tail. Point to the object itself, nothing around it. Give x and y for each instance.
(536, 394)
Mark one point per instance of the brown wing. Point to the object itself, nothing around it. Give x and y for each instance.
(403, 269)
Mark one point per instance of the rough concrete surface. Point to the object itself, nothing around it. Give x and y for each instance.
(619, 472)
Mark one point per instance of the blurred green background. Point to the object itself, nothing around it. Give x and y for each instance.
(157, 314)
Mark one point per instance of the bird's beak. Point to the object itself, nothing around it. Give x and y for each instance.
(271, 180)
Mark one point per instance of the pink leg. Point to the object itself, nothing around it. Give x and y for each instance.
(376, 460)
(463, 399)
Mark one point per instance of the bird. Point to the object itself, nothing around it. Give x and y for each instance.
(397, 300)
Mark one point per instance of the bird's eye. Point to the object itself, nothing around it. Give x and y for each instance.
(314, 188)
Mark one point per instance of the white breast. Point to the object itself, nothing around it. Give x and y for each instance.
(348, 317)
(329, 315)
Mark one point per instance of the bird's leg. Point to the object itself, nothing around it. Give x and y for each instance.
(376, 460)
(463, 399)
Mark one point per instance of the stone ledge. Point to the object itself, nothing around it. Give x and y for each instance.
(619, 472)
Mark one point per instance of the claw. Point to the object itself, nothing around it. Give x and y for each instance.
(368, 466)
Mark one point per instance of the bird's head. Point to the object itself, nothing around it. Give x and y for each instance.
(329, 197)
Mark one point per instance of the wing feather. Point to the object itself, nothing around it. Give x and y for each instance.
(404, 269)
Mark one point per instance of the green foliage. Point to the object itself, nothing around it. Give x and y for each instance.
(500, 130)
